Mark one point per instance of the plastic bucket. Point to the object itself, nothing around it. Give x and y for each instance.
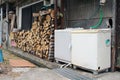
(1, 56)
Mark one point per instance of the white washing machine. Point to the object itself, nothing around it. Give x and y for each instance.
(91, 49)
(63, 45)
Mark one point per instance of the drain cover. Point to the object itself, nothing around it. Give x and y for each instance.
(71, 74)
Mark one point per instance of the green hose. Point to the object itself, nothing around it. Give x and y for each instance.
(100, 20)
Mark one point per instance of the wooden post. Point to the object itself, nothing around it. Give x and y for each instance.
(1, 20)
(114, 39)
(51, 44)
(7, 33)
(62, 10)
(55, 8)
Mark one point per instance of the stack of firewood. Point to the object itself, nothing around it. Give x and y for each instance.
(37, 40)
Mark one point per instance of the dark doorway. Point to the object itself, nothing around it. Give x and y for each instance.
(26, 18)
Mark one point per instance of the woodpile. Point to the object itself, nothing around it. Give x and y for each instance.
(37, 41)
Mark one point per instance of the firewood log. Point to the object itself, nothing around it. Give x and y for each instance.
(37, 40)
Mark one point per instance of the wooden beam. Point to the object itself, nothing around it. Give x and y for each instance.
(1, 19)
(55, 8)
(114, 38)
(62, 11)
(7, 29)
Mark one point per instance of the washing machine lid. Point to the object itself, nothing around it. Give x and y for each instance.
(91, 31)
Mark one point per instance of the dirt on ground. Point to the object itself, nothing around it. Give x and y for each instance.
(5, 67)
(7, 55)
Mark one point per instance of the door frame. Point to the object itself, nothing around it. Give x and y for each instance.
(20, 12)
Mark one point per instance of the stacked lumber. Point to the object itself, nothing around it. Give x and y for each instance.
(37, 40)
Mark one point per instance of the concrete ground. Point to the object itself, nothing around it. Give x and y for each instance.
(47, 74)
(109, 76)
(25, 73)
(34, 74)
(101, 76)
(40, 73)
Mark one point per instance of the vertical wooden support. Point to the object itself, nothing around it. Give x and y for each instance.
(55, 8)
(114, 38)
(51, 44)
(62, 10)
(1, 20)
(7, 28)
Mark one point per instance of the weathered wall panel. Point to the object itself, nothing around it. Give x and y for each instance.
(84, 13)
